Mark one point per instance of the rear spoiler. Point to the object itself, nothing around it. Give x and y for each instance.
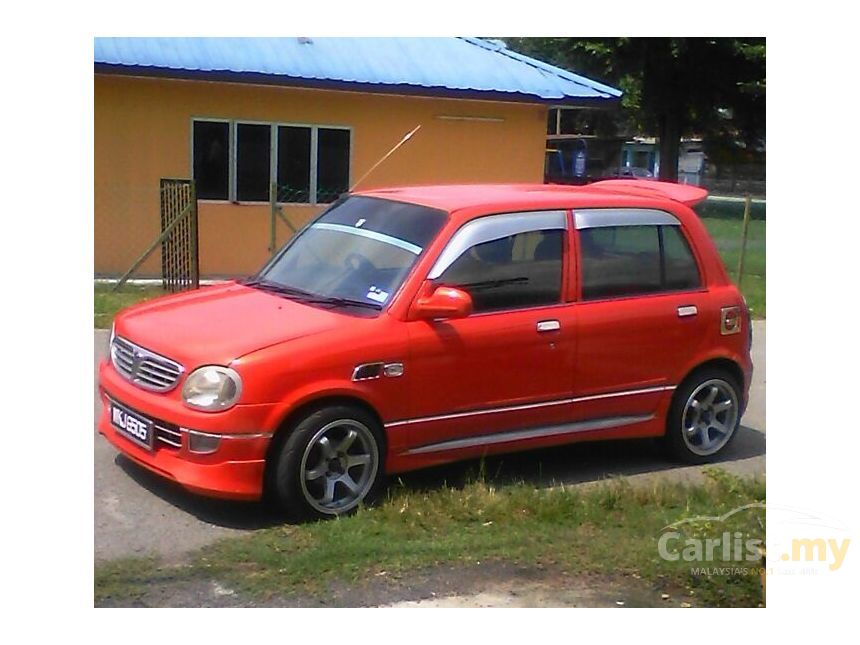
(688, 195)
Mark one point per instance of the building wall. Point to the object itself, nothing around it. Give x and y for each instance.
(143, 133)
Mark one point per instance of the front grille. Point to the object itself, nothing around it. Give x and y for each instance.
(143, 367)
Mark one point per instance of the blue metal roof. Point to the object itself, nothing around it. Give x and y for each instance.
(443, 66)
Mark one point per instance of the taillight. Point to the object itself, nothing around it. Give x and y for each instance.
(731, 321)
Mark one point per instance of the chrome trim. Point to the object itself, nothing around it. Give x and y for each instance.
(529, 406)
(533, 433)
(372, 235)
(495, 227)
(362, 366)
(548, 325)
(598, 217)
(232, 435)
(143, 367)
(689, 310)
(175, 436)
(393, 370)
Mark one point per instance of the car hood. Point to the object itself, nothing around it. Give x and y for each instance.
(216, 325)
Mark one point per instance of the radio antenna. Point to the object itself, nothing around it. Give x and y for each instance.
(386, 156)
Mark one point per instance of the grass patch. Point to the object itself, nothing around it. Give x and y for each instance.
(128, 578)
(611, 528)
(108, 302)
(731, 209)
(726, 234)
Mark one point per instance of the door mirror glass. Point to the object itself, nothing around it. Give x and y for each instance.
(444, 303)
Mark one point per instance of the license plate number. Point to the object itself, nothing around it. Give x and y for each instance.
(131, 425)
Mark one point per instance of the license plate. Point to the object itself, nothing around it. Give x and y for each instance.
(131, 425)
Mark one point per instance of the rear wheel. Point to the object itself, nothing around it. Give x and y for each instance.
(704, 416)
(329, 463)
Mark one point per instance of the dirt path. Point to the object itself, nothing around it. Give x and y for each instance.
(492, 584)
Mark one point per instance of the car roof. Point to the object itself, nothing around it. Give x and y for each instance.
(487, 198)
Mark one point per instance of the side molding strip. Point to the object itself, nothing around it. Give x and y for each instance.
(533, 433)
(530, 406)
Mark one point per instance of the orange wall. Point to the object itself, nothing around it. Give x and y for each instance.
(143, 133)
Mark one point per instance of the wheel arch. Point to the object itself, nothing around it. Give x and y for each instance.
(727, 364)
(307, 407)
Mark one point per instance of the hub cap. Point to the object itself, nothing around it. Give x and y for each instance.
(339, 466)
(710, 417)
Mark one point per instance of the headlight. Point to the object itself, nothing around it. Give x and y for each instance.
(212, 388)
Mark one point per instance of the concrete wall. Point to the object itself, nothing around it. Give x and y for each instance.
(143, 133)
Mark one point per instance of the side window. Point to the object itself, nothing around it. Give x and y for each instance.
(681, 269)
(211, 150)
(521, 270)
(332, 164)
(619, 261)
(253, 147)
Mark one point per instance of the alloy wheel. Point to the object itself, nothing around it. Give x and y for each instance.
(710, 417)
(339, 466)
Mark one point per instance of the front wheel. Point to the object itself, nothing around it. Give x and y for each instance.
(704, 416)
(329, 463)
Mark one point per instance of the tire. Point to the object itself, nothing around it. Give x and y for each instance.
(704, 416)
(328, 464)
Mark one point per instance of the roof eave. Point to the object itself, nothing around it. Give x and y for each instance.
(256, 78)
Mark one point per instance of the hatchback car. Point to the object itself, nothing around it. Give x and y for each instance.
(410, 327)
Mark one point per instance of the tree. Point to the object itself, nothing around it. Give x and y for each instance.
(713, 87)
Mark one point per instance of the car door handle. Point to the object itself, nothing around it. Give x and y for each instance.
(548, 325)
(688, 310)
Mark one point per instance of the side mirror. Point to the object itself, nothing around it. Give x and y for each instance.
(444, 302)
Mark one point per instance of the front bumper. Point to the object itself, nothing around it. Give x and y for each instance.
(234, 471)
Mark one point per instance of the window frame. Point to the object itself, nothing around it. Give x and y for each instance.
(232, 187)
(566, 251)
(617, 217)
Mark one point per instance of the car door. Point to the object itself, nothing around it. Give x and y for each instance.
(510, 363)
(640, 311)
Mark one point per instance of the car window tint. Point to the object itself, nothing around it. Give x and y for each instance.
(619, 261)
(681, 269)
(522, 270)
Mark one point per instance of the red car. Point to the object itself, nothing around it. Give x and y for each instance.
(409, 327)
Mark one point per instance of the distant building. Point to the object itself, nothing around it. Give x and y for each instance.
(309, 116)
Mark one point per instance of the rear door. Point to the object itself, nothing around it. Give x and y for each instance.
(640, 309)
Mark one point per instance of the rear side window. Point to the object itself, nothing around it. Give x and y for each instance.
(522, 270)
(681, 269)
(632, 260)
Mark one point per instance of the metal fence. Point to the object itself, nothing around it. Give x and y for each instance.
(178, 240)
(180, 261)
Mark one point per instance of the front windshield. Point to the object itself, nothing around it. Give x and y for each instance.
(360, 250)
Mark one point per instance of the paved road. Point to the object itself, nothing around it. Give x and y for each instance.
(137, 513)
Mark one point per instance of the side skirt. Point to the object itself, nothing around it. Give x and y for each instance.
(531, 433)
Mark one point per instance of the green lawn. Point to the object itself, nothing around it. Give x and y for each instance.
(610, 529)
(726, 234)
(108, 302)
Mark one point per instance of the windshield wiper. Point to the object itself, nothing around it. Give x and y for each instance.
(277, 287)
(307, 296)
(492, 284)
(338, 301)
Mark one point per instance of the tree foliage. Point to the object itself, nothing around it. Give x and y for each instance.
(710, 87)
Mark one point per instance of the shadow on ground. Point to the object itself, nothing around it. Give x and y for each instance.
(571, 464)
